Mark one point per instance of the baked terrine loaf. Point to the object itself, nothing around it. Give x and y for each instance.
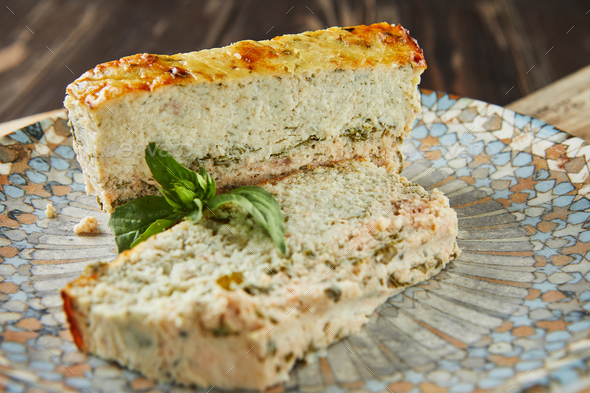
(216, 303)
(249, 111)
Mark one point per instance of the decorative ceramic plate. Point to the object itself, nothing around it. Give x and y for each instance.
(509, 314)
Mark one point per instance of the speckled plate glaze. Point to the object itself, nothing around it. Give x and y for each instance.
(509, 315)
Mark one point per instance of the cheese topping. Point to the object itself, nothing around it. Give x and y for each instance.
(345, 48)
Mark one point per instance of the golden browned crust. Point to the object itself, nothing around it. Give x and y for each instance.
(72, 318)
(75, 317)
(330, 49)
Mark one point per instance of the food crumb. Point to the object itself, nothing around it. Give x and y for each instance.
(50, 211)
(86, 225)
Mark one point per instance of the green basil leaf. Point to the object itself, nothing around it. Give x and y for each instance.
(262, 205)
(202, 182)
(165, 169)
(210, 185)
(195, 215)
(130, 221)
(156, 227)
(185, 195)
(188, 184)
(172, 198)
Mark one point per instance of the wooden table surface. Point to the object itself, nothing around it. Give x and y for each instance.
(499, 51)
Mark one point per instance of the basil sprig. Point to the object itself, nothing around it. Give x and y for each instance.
(185, 193)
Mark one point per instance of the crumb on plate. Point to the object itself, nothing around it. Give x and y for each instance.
(50, 211)
(86, 225)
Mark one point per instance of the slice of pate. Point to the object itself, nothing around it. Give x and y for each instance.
(216, 303)
(249, 111)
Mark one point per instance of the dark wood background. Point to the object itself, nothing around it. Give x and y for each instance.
(493, 50)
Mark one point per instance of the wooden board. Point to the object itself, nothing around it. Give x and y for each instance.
(13, 125)
(564, 104)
